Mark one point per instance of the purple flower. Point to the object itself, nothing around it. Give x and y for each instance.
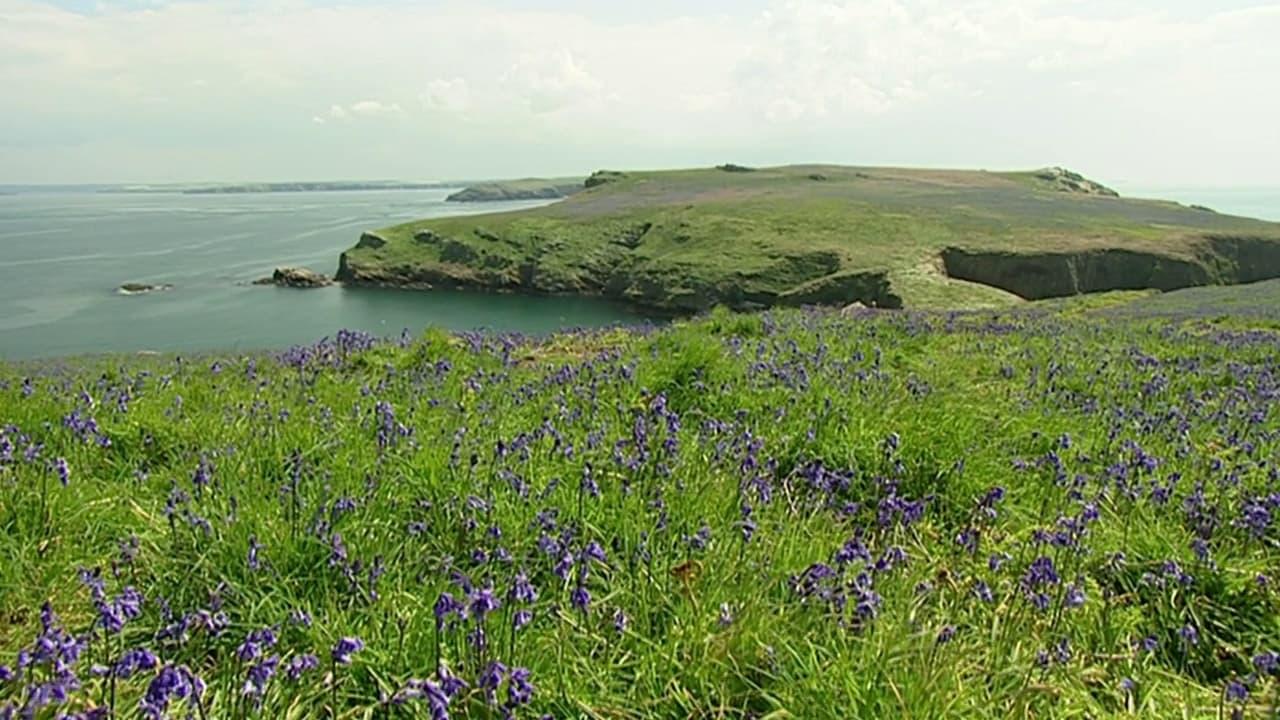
(1075, 596)
(521, 618)
(490, 678)
(620, 622)
(255, 564)
(519, 689)
(483, 602)
(580, 598)
(593, 551)
(522, 590)
(445, 606)
(1189, 634)
(171, 683)
(1236, 691)
(345, 648)
(946, 634)
(300, 665)
(983, 592)
(135, 660)
(63, 470)
(1266, 662)
(259, 675)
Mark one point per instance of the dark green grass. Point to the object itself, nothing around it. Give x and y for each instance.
(932, 408)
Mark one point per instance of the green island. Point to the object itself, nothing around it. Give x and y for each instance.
(678, 242)
(1064, 509)
(526, 189)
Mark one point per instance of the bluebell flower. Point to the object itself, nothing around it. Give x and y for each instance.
(300, 665)
(1236, 691)
(1189, 634)
(519, 689)
(945, 634)
(345, 648)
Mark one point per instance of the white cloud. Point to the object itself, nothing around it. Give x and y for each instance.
(451, 95)
(1145, 90)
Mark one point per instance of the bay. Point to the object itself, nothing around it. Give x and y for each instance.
(63, 256)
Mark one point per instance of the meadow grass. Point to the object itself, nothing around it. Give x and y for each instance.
(796, 514)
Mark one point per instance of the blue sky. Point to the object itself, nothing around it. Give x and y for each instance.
(1153, 93)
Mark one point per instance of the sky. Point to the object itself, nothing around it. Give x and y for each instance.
(1151, 92)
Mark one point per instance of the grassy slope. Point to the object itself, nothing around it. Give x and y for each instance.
(767, 232)
(896, 406)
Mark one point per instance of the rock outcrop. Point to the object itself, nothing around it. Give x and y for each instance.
(134, 288)
(293, 277)
(1064, 180)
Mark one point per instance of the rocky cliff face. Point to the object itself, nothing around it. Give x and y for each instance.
(1035, 276)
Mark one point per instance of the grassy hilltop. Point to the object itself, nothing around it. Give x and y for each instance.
(1060, 511)
(680, 241)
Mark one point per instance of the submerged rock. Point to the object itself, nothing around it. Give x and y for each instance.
(295, 278)
(133, 288)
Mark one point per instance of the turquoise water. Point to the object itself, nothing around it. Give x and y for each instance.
(1262, 203)
(64, 254)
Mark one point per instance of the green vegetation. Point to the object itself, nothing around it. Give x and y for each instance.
(683, 241)
(794, 514)
(527, 189)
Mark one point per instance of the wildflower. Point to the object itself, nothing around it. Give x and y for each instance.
(983, 592)
(620, 622)
(1236, 691)
(345, 648)
(254, 562)
(946, 634)
(171, 683)
(490, 678)
(1075, 596)
(134, 661)
(522, 618)
(1266, 662)
(483, 602)
(580, 598)
(300, 665)
(519, 689)
(63, 470)
(1189, 634)
(522, 590)
(445, 606)
(259, 675)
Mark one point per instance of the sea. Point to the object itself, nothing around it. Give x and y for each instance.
(64, 252)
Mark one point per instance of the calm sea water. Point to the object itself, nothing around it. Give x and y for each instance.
(64, 254)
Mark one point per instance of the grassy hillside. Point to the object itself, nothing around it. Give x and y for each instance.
(794, 514)
(686, 240)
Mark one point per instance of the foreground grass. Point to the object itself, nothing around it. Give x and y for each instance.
(784, 515)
